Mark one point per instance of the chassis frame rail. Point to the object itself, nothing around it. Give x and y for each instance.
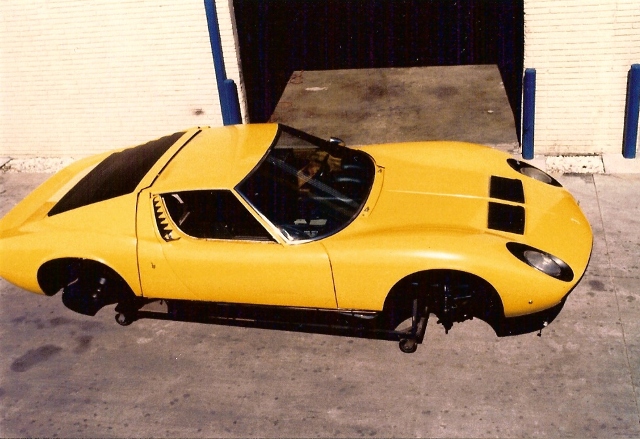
(317, 321)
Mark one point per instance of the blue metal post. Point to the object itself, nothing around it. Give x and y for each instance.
(227, 91)
(233, 103)
(630, 137)
(528, 112)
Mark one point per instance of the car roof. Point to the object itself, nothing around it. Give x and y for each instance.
(216, 158)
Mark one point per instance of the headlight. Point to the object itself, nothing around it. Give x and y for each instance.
(532, 172)
(542, 261)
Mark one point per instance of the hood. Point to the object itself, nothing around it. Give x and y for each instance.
(471, 188)
(436, 184)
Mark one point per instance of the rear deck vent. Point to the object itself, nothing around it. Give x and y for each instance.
(506, 218)
(508, 189)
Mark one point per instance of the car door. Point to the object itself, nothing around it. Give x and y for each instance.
(206, 245)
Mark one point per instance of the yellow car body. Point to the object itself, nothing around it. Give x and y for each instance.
(429, 207)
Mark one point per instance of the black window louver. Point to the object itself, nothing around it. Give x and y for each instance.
(506, 218)
(117, 175)
(508, 189)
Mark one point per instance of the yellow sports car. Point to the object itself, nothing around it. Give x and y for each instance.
(267, 217)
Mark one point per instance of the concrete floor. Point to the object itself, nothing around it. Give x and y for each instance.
(365, 106)
(66, 375)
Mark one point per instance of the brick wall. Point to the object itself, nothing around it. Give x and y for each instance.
(582, 51)
(78, 77)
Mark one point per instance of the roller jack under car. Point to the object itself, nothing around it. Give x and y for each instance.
(409, 334)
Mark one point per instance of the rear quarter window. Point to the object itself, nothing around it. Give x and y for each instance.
(119, 174)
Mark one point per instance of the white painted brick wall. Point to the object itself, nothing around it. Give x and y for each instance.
(582, 51)
(78, 77)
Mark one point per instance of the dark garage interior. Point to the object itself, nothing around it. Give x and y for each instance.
(280, 37)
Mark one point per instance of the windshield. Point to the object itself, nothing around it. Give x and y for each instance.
(307, 187)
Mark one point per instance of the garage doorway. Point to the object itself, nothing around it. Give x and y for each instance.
(280, 37)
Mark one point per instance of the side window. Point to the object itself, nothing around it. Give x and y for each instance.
(213, 214)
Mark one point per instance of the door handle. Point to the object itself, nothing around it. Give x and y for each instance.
(170, 237)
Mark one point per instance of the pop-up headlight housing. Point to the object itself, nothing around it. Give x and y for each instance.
(541, 261)
(532, 172)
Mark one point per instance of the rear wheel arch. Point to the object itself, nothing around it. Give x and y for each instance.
(87, 285)
(58, 273)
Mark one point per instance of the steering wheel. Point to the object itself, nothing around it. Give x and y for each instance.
(324, 170)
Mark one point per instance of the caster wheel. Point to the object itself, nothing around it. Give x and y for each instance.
(408, 346)
(124, 319)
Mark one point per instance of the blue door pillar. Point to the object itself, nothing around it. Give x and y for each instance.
(227, 90)
(630, 139)
(528, 112)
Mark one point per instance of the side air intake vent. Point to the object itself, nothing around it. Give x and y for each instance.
(506, 218)
(162, 220)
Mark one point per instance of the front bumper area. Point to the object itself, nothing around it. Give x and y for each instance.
(507, 326)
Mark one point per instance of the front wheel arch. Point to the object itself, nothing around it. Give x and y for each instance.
(427, 286)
